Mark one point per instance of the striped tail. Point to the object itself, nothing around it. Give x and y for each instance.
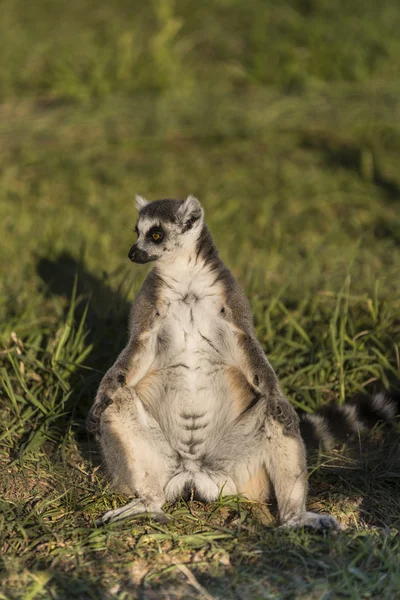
(332, 424)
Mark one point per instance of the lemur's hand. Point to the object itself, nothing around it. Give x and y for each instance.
(95, 413)
(112, 382)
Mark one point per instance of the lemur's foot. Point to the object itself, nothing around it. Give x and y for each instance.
(135, 507)
(313, 521)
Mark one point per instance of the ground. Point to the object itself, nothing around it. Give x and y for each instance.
(284, 119)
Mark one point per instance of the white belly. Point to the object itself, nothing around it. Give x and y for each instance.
(186, 389)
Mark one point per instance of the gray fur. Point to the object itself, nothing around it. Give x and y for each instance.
(163, 210)
(192, 402)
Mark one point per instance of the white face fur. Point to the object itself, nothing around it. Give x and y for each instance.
(166, 229)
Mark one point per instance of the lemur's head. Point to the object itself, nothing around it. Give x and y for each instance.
(166, 229)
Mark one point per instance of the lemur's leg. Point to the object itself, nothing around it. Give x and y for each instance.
(282, 452)
(285, 462)
(278, 460)
(252, 480)
(137, 457)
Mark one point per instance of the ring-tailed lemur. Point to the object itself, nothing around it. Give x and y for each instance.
(192, 401)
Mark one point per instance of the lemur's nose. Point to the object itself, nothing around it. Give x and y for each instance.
(139, 256)
(131, 253)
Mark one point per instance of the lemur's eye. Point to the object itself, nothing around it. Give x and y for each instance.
(155, 234)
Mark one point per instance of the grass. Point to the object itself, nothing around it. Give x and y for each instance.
(284, 119)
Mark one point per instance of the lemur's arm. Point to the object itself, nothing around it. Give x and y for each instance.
(250, 357)
(260, 374)
(134, 360)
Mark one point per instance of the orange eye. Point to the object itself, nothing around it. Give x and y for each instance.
(156, 236)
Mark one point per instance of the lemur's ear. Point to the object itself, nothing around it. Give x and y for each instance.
(189, 212)
(140, 202)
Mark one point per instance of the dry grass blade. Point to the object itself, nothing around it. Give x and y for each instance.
(193, 582)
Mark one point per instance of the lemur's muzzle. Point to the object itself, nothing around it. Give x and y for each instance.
(139, 256)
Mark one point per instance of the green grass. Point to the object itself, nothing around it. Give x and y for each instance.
(284, 119)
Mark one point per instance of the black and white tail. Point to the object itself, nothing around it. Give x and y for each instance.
(332, 424)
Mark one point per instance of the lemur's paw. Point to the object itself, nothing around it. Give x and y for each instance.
(313, 521)
(135, 507)
(94, 416)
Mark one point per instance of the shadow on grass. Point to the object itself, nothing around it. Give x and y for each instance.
(107, 308)
(361, 481)
(76, 587)
(345, 153)
(106, 326)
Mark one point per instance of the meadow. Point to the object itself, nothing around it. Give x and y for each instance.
(283, 118)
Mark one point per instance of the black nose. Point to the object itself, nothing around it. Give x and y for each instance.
(132, 252)
(139, 256)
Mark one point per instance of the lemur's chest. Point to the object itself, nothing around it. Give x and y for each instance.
(193, 322)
